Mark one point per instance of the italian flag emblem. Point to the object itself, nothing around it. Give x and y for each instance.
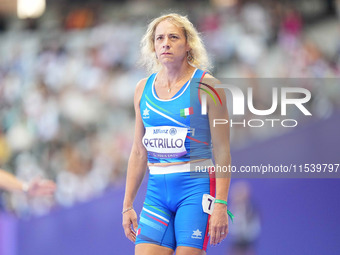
(186, 111)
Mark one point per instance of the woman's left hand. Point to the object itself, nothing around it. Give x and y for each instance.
(218, 224)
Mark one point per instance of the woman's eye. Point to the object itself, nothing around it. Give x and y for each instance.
(159, 38)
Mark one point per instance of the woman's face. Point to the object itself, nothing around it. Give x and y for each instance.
(170, 43)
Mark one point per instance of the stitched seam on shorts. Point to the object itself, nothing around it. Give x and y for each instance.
(167, 228)
(161, 244)
(191, 245)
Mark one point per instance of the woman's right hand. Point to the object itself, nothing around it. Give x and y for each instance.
(129, 221)
(41, 187)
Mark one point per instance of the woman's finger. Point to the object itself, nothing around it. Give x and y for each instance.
(131, 237)
(213, 236)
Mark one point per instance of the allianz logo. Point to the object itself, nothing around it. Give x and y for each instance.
(171, 131)
(160, 131)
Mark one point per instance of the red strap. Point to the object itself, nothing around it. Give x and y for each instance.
(199, 91)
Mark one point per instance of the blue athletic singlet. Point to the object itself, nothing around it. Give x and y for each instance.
(175, 131)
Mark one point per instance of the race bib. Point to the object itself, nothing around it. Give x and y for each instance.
(208, 203)
(165, 141)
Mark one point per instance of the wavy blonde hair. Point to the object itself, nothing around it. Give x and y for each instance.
(198, 52)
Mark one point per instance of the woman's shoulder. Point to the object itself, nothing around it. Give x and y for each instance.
(140, 86)
(208, 75)
(210, 79)
(141, 83)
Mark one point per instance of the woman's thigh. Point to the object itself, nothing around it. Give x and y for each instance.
(191, 224)
(152, 249)
(183, 250)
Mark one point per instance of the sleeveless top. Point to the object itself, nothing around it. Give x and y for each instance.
(175, 129)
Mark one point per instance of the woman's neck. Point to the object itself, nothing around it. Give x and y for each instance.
(174, 74)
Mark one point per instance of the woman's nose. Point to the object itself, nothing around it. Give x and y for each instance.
(166, 44)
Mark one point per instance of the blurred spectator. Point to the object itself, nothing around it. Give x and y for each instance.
(3, 23)
(290, 30)
(256, 26)
(246, 227)
(5, 152)
(80, 18)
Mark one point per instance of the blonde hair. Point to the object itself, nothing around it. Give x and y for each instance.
(198, 52)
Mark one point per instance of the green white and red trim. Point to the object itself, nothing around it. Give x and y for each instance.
(186, 111)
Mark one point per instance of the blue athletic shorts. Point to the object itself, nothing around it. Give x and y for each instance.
(172, 213)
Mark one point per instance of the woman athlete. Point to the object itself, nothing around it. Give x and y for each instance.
(173, 137)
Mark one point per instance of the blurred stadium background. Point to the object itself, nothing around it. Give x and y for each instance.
(67, 77)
